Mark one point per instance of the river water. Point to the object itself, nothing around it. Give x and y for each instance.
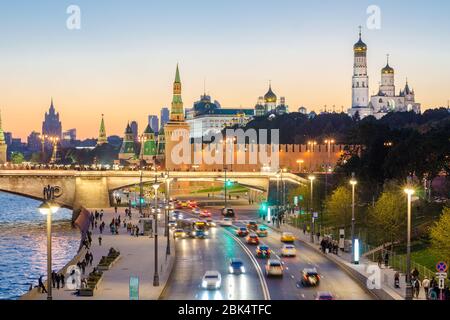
(23, 243)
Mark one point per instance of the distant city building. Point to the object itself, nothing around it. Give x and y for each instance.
(3, 146)
(34, 143)
(8, 138)
(153, 122)
(69, 138)
(165, 116)
(268, 104)
(385, 100)
(51, 125)
(102, 139)
(115, 141)
(135, 130)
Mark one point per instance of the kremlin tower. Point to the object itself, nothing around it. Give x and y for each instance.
(176, 130)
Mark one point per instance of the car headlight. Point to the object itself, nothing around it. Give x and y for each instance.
(206, 233)
(217, 285)
(242, 269)
(194, 233)
(204, 284)
(231, 269)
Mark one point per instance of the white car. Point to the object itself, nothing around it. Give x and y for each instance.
(274, 268)
(212, 280)
(226, 222)
(288, 250)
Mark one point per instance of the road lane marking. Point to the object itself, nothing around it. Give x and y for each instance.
(262, 280)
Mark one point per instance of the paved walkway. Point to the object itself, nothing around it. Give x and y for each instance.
(344, 258)
(136, 259)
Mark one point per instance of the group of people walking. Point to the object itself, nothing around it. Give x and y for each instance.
(58, 281)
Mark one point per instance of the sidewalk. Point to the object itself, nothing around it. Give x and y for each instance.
(136, 259)
(387, 291)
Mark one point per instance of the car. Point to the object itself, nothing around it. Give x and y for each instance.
(205, 214)
(172, 223)
(274, 268)
(236, 266)
(252, 225)
(262, 232)
(199, 234)
(287, 237)
(324, 295)
(196, 210)
(211, 223)
(263, 251)
(228, 213)
(178, 215)
(252, 239)
(288, 250)
(226, 222)
(242, 232)
(179, 233)
(212, 280)
(310, 277)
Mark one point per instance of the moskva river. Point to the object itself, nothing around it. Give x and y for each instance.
(23, 244)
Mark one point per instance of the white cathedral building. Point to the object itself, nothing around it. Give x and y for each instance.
(385, 100)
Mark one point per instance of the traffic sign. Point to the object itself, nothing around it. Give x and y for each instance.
(315, 215)
(441, 283)
(441, 267)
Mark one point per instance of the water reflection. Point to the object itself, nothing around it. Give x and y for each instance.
(23, 243)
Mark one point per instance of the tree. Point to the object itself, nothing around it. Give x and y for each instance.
(440, 236)
(17, 157)
(35, 157)
(338, 208)
(388, 217)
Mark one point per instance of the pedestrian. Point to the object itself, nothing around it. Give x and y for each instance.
(91, 259)
(100, 241)
(397, 280)
(417, 287)
(54, 279)
(137, 231)
(426, 286)
(415, 273)
(63, 283)
(31, 287)
(83, 267)
(58, 280)
(386, 259)
(115, 209)
(380, 260)
(41, 285)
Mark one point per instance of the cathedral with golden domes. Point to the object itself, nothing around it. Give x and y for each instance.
(386, 100)
(268, 104)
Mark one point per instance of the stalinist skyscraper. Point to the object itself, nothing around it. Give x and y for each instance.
(177, 129)
(3, 146)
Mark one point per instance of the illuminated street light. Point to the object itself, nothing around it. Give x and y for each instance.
(409, 290)
(353, 183)
(312, 178)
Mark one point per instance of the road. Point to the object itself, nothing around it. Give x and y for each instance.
(195, 257)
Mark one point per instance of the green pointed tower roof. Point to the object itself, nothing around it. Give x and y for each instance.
(149, 130)
(177, 75)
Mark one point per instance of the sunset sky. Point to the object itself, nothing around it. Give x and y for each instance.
(122, 61)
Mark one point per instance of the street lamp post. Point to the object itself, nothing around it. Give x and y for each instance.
(142, 139)
(311, 145)
(353, 182)
(329, 142)
(156, 275)
(167, 212)
(312, 178)
(409, 290)
(225, 186)
(49, 207)
(43, 138)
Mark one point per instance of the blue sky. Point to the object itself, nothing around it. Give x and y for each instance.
(122, 61)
